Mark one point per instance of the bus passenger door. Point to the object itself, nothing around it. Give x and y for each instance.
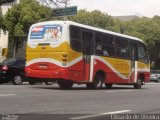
(133, 54)
(86, 49)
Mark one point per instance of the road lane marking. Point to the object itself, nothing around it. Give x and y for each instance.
(4, 95)
(118, 91)
(98, 115)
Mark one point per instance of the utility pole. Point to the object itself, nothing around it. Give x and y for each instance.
(65, 5)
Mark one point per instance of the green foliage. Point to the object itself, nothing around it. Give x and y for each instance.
(20, 17)
(148, 30)
(97, 19)
(1, 18)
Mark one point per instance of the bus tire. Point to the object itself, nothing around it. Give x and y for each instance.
(108, 86)
(138, 85)
(64, 84)
(98, 81)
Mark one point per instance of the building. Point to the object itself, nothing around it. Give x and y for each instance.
(4, 34)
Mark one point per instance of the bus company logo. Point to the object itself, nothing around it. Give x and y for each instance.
(38, 29)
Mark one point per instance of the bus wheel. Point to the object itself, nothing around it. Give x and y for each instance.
(98, 81)
(65, 84)
(138, 85)
(108, 86)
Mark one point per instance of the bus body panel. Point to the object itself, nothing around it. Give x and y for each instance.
(47, 59)
(144, 69)
(115, 72)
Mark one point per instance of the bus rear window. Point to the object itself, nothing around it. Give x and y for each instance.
(46, 34)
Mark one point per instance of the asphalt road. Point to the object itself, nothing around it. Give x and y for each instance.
(79, 103)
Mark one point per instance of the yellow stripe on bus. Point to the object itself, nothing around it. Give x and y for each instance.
(54, 53)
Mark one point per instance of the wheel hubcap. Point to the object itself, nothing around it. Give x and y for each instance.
(17, 79)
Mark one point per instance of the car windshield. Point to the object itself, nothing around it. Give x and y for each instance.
(8, 62)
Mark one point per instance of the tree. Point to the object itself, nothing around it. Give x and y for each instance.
(21, 16)
(148, 30)
(97, 19)
(1, 18)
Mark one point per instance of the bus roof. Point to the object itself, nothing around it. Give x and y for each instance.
(88, 27)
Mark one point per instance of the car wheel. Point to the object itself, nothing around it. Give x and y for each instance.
(48, 83)
(17, 80)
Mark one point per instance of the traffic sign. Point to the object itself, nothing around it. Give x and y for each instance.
(65, 11)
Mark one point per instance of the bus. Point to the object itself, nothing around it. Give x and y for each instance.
(69, 52)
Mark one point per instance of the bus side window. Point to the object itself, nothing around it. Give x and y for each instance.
(142, 56)
(105, 51)
(104, 45)
(75, 36)
(122, 53)
(132, 51)
(99, 49)
(87, 40)
(122, 50)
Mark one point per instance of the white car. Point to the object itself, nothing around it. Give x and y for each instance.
(155, 76)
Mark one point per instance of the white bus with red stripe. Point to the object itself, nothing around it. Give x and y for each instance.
(69, 52)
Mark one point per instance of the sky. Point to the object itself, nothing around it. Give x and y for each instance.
(148, 8)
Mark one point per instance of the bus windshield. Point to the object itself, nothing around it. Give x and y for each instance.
(46, 34)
